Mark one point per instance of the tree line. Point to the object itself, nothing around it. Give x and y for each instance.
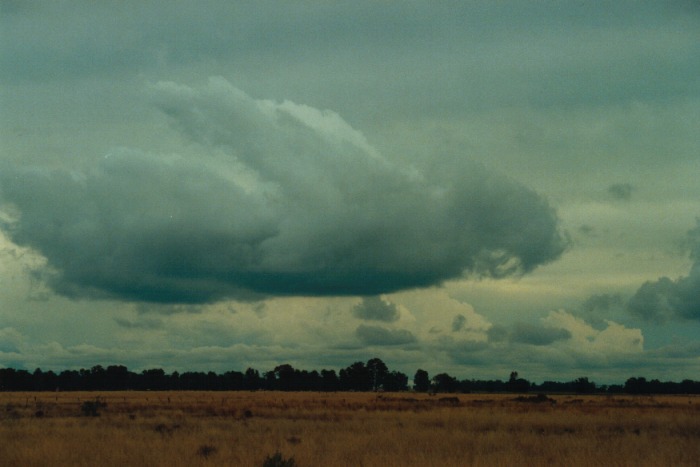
(372, 375)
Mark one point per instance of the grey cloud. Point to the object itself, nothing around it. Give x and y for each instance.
(144, 308)
(536, 335)
(602, 302)
(10, 340)
(665, 298)
(377, 335)
(458, 323)
(497, 333)
(620, 191)
(284, 199)
(558, 54)
(598, 309)
(148, 324)
(587, 230)
(376, 309)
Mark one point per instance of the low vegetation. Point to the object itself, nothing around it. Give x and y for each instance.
(256, 428)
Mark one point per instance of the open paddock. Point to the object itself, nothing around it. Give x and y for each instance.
(346, 429)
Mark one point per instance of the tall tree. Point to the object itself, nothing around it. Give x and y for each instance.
(377, 373)
(421, 381)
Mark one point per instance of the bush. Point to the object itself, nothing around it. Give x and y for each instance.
(276, 460)
(206, 450)
(92, 408)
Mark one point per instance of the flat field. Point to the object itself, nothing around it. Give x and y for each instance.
(346, 429)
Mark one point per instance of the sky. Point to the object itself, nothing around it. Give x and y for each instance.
(465, 187)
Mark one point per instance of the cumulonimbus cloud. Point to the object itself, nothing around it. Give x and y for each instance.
(284, 199)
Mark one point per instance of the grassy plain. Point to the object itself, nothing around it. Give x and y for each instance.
(347, 429)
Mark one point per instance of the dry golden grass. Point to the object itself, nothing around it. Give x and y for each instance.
(346, 429)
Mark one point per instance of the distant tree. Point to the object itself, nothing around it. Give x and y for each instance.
(516, 384)
(583, 386)
(251, 379)
(285, 377)
(421, 381)
(688, 386)
(445, 383)
(310, 380)
(377, 372)
(38, 382)
(174, 381)
(232, 381)
(635, 385)
(153, 379)
(97, 377)
(356, 377)
(395, 381)
(117, 378)
(329, 380)
(269, 380)
(15, 380)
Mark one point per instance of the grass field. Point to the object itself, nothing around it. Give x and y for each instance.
(346, 429)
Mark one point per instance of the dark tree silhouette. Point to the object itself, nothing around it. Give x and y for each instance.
(329, 380)
(421, 381)
(445, 383)
(377, 372)
(359, 376)
(516, 384)
(395, 381)
(356, 377)
(252, 379)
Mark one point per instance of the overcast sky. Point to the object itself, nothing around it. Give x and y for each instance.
(470, 187)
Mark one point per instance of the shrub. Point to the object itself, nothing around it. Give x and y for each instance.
(206, 450)
(92, 408)
(276, 460)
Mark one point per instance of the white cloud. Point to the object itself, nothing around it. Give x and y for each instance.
(615, 339)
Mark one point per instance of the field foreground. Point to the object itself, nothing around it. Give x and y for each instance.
(346, 429)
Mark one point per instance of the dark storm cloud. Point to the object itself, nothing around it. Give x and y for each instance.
(376, 309)
(377, 335)
(666, 298)
(283, 199)
(620, 191)
(536, 335)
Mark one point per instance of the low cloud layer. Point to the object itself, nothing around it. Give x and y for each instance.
(524, 333)
(536, 335)
(376, 309)
(667, 298)
(282, 199)
(377, 335)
